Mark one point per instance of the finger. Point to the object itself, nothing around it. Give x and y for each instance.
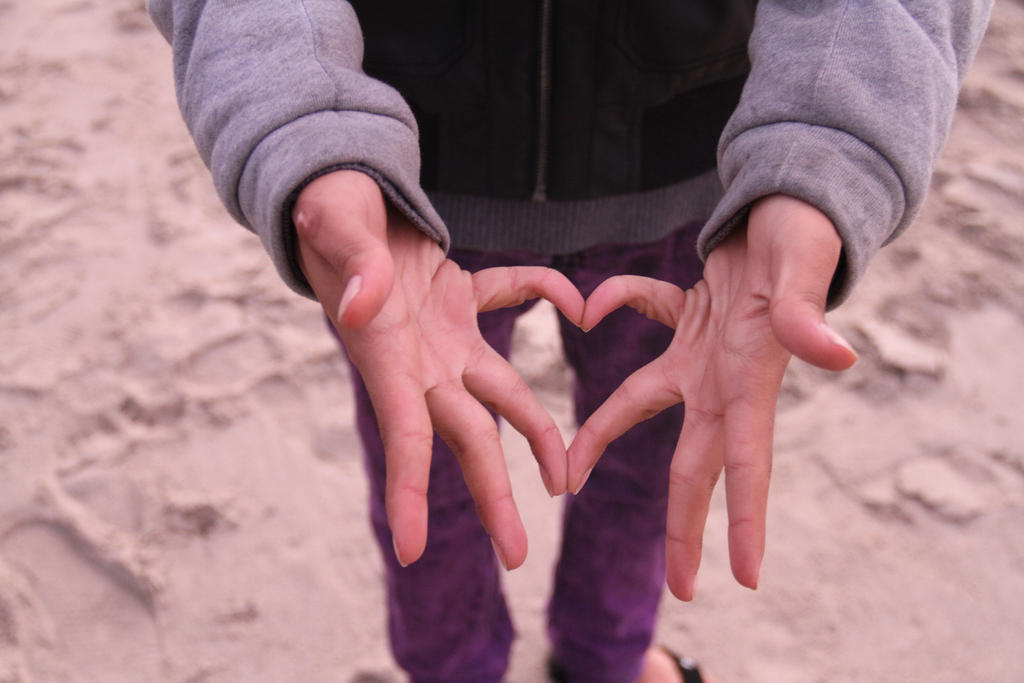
(801, 276)
(642, 395)
(658, 300)
(340, 222)
(748, 428)
(511, 286)
(493, 381)
(408, 436)
(694, 472)
(804, 251)
(471, 433)
(800, 326)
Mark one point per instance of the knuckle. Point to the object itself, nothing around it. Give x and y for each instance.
(692, 480)
(406, 488)
(679, 536)
(477, 355)
(544, 435)
(475, 439)
(593, 436)
(743, 523)
(747, 469)
(410, 440)
(518, 390)
(700, 417)
(309, 222)
(488, 501)
(798, 303)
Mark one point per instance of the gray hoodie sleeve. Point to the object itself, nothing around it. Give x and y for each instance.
(847, 107)
(273, 94)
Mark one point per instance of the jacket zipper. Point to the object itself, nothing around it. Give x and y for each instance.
(540, 184)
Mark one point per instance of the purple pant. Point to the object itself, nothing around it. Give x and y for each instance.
(447, 616)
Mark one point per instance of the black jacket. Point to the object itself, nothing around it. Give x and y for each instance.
(561, 99)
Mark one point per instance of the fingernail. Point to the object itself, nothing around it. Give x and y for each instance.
(586, 475)
(546, 478)
(351, 290)
(836, 338)
(693, 586)
(501, 557)
(394, 544)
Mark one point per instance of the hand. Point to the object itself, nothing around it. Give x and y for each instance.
(408, 318)
(762, 298)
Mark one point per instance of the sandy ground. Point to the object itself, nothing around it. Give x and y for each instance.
(181, 497)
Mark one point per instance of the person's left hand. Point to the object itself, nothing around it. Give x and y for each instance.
(762, 298)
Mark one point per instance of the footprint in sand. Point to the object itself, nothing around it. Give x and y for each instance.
(98, 624)
(943, 490)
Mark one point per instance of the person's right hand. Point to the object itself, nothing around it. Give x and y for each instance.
(408, 318)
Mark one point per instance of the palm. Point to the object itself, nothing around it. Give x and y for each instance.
(408, 319)
(427, 367)
(726, 364)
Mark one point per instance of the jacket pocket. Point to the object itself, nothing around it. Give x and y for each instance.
(667, 35)
(403, 37)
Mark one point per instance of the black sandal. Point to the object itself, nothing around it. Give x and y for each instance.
(688, 669)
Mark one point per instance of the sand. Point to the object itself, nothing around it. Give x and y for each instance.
(181, 496)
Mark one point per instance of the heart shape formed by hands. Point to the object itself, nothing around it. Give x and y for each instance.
(407, 317)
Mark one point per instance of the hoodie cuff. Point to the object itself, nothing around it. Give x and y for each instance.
(843, 177)
(291, 156)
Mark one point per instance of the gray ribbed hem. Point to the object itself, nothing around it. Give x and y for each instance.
(554, 227)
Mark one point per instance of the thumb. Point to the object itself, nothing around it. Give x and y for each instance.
(341, 224)
(804, 251)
